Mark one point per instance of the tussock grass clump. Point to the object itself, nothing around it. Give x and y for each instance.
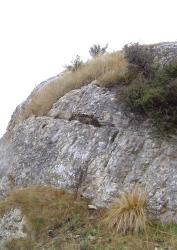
(108, 69)
(128, 214)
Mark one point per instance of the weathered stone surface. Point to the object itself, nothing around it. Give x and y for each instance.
(11, 225)
(165, 53)
(89, 142)
(68, 149)
(92, 207)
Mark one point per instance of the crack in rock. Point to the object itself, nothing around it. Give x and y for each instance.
(86, 119)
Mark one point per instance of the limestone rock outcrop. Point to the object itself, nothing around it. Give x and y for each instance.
(89, 142)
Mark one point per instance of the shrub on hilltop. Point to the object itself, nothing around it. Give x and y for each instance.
(141, 56)
(75, 64)
(97, 50)
(157, 98)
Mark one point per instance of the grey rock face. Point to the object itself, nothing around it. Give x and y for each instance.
(90, 143)
(165, 53)
(11, 226)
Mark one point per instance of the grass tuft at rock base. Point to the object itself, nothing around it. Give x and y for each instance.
(56, 220)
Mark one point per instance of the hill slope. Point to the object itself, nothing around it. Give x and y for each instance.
(91, 142)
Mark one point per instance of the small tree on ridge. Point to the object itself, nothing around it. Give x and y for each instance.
(97, 50)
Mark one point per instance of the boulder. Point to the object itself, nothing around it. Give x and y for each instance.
(92, 144)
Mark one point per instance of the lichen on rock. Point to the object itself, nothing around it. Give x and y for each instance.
(11, 226)
(90, 142)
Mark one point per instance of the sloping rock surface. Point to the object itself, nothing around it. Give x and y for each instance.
(90, 143)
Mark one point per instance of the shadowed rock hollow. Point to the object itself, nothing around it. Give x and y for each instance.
(91, 143)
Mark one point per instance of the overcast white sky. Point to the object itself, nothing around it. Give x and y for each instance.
(37, 37)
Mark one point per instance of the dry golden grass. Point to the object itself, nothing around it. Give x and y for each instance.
(46, 208)
(128, 214)
(75, 227)
(19, 244)
(108, 69)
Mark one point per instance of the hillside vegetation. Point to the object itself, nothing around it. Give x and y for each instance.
(108, 69)
(57, 220)
(150, 90)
